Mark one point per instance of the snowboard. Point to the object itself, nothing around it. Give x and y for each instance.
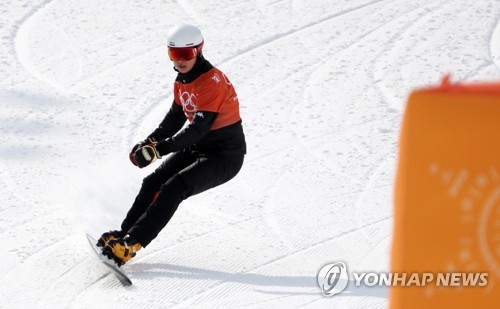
(120, 274)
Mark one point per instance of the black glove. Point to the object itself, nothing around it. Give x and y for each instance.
(148, 141)
(145, 155)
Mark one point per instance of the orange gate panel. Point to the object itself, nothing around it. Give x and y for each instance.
(447, 196)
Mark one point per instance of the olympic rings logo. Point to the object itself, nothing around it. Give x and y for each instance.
(188, 101)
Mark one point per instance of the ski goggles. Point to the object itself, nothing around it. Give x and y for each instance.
(184, 53)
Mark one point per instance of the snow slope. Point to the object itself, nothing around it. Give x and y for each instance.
(322, 85)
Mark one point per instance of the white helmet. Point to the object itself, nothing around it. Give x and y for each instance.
(184, 36)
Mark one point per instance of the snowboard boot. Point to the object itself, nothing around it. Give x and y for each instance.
(121, 250)
(106, 237)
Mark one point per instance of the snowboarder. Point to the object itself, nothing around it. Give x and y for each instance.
(208, 152)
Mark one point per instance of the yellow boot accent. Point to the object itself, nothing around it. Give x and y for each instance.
(121, 251)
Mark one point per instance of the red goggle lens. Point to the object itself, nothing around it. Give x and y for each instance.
(184, 53)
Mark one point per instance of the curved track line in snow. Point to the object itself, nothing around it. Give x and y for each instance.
(493, 50)
(279, 258)
(310, 84)
(277, 37)
(269, 218)
(426, 11)
(346, 50)
(9, 186)
(477, 71)
(316, 244)
(21, 23)
(421, 12)
(149, 254)
(268, 214)
(21, 50)
(190, 11)
(117, 65)
(87, 287)
(217, 230)
(19, 37)
(363, 196)
(262, 5)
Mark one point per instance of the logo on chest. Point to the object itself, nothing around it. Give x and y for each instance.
(188, 101)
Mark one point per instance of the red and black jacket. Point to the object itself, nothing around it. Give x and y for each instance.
(206, 98)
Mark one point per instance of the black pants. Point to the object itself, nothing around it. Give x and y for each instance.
(183, 174)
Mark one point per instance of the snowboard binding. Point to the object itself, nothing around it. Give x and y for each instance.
(121, 250)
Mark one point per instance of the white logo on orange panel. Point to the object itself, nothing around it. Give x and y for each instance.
(216, 78)
(477, 194)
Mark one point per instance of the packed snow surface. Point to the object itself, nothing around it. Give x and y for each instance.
(322, 86)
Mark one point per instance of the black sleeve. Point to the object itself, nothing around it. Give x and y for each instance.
(201, 124)
(171, 124)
